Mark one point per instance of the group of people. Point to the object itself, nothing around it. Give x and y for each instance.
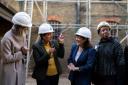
(103, 64)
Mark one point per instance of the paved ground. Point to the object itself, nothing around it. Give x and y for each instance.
(62, 81)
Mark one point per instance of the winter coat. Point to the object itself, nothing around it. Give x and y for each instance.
(126, 64)
(126, 58)
(85, 64)
(13, 69)
(109, 59)
(41, 58)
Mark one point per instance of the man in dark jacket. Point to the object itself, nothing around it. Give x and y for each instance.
(109, 58)
(126, 64)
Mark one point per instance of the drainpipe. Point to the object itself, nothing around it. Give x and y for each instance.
(77, 5)
(89, 14)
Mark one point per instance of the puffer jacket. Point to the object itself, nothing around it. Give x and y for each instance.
(110, 60)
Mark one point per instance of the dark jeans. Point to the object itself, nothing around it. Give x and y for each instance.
(49, 80)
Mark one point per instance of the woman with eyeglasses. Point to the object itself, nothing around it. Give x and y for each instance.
(81, 59)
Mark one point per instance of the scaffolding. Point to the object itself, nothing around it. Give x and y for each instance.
(28, 7)
(88, 8)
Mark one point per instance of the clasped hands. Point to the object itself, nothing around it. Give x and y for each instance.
(72, 67)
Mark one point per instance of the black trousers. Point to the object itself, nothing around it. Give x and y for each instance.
(49, 80)
(106, 80)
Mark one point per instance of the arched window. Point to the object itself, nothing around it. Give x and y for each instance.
(55, 22)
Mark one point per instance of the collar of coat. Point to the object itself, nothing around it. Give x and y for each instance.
(41, 43)
(103, 40)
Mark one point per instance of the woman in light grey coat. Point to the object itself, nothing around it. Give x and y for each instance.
(14, 50)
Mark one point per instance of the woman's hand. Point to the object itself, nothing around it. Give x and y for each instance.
(61, 38)
(52, 50)
(72, 67)
(24, 50)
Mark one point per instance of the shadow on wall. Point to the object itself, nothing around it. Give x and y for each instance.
(4, 26)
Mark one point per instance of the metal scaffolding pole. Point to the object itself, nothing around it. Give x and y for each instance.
(93, 1)
(127, 22)
(45, 10)
(39, 9)
(87, 11)
(78, 13)
(89, 14)
(25, 5)
(126, 37)
(29, 9)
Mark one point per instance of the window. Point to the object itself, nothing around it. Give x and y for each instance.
(55, 22)
(57, 28)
